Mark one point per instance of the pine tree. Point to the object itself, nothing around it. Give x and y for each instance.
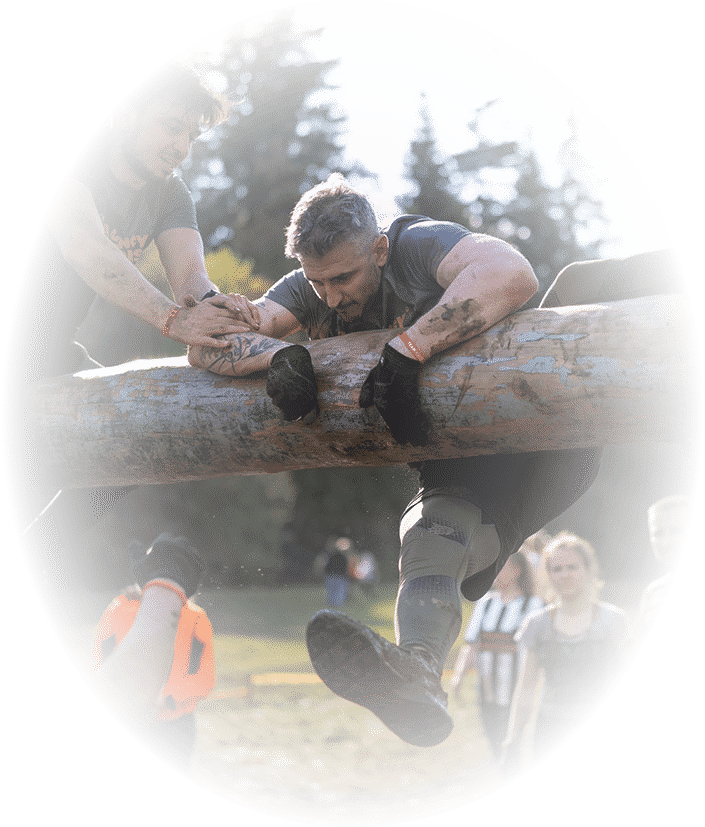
(550, 225)
(280, 141)
(433, 193)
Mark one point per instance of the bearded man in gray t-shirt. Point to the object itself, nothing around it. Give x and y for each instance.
(439, 285)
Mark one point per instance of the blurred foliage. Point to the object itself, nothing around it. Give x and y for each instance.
(432, 192)
(282, 138)
(232, 275)
(236, 522)
(498, 188)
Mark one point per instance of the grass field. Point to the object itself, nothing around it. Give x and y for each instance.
(299, 752)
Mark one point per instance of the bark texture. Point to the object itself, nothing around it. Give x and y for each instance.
(613, 373)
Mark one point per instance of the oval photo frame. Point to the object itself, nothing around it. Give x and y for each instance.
(133, 749)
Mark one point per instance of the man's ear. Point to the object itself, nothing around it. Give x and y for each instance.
(380, 250)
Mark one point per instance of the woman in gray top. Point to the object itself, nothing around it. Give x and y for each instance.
(573, 646)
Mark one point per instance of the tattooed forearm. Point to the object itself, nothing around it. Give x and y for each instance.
(246, 346)
(240, 358)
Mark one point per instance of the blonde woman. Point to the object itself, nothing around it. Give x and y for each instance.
(572, 646)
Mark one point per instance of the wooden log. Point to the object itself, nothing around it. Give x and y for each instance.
(602, 374)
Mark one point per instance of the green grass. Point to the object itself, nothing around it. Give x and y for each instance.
(262, 630)
(302, 753)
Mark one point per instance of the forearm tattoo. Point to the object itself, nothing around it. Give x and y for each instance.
(242, 346)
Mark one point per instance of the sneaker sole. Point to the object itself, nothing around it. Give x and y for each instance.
(345, 657)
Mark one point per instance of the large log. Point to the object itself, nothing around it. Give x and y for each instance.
(541, 379)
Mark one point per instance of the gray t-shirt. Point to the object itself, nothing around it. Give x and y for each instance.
(408, 287)
(132, 219)
(576, 667)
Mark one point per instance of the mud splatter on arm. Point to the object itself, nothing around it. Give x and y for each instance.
(485, 280)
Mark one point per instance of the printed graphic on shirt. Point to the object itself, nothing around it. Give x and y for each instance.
(132, 247)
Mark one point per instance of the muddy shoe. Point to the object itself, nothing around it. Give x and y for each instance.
(402, 690)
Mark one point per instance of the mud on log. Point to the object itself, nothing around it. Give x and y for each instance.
(602, 374)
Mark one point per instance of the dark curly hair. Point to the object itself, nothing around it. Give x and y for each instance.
(176, 83)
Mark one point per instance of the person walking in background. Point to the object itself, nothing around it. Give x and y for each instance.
(573, 646)
(490, 645)
(154, 655)
(366, 573)
(336, 573)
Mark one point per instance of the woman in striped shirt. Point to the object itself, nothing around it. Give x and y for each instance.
(489, 644)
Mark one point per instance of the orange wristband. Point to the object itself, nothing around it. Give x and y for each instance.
(165, 584)
(413, 347)
(167, 324)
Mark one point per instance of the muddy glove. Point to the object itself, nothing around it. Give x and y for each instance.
(173, 558)
(392, 386)
(291, 383)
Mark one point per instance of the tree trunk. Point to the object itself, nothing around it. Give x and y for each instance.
(613, 373)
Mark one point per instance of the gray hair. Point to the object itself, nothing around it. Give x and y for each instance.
(329, 214)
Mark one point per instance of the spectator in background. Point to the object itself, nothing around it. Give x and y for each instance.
(155, 657)
(490, 646)
(669, 522)
(366, 573)
(574, 645)
(336, 573)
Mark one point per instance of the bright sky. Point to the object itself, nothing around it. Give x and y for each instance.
(391, 53)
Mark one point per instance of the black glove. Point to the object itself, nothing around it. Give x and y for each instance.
(173, 558)
(291, 383)
(392, 386)
(510, 762)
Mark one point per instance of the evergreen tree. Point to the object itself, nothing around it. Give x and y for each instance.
(280, 141)
(433, 193)
(550, 225)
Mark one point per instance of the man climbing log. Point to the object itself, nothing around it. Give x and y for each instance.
(438, 285)
(567, 377)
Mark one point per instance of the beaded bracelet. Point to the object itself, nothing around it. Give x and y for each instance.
(165, 584)
(167, 324)
(413, 347)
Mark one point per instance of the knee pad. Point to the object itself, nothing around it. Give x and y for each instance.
(436, 536)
